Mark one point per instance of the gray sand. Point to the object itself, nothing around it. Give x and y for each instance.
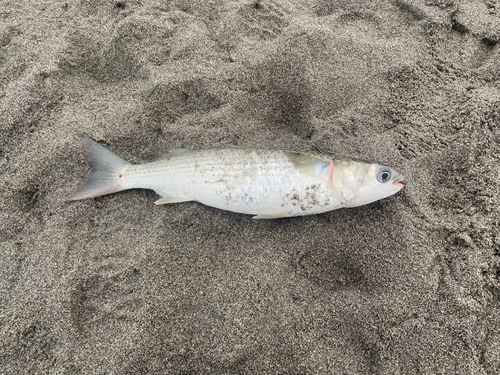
(117, 285)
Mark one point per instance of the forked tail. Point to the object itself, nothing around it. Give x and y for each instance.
(106, 169)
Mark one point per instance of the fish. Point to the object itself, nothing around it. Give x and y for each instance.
(265, 183)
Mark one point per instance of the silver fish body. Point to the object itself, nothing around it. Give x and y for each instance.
(265, 183)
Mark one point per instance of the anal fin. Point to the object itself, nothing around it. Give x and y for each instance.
(166, 200)
(169, 198)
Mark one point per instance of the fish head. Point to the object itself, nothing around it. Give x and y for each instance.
(358, 182)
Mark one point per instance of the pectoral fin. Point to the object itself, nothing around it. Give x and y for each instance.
(305, 164)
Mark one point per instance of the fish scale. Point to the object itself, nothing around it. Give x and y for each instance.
(264, 183)
(241, 180)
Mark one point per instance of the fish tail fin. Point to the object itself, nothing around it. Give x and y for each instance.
(105, 171)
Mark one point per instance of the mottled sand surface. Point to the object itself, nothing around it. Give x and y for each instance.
(117, 285)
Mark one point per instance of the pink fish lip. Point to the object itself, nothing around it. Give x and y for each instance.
(399, 181)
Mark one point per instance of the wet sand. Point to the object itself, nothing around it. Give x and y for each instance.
(117, 285)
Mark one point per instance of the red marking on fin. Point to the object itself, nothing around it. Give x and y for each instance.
(169, 159)
(120, 175)
(185, 192)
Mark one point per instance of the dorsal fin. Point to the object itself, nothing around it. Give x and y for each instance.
(174, 152)
(323, 157)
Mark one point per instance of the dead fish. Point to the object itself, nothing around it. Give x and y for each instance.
(266, 183)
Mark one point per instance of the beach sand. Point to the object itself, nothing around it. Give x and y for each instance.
(117, 285)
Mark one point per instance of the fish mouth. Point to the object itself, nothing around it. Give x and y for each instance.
(399, 181)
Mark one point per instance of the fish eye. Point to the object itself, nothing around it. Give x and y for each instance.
(384, 175)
